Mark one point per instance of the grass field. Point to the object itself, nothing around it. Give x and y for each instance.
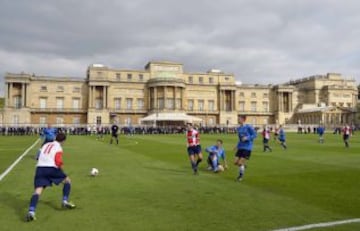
(146, 183)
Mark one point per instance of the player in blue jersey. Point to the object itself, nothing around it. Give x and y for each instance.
(320, 131)
(216, 152)
(282, 137)
(246, 134)
(49, 134)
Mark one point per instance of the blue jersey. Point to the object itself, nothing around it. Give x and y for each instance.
(282, 134)
(248, 133)
(49, 134)
(220, 152)
(320, 130)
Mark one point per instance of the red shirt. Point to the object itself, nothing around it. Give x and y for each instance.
(193, 137)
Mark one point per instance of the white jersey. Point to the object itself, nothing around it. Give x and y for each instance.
(50, 155)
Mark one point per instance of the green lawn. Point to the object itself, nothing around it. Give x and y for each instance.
(146, 183)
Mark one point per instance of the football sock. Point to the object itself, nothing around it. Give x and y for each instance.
(241, 170)
(198, 162)
(33, 202)
(193, 165)
(66, 191)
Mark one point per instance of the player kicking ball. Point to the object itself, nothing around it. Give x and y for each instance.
(49, 171)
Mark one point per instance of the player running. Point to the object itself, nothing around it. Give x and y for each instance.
(246, 134)
(266, 138)
(282, 137)
(114, 133)
(49, 171)
(49, 134)
(320, 131)
(216, 152)
(193, 147)
(346, 134)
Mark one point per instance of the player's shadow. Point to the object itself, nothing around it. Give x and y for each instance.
(15, 202)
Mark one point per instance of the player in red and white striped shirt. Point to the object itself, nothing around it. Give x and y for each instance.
(193, 147)
(49, 171)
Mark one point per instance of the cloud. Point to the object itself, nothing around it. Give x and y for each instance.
(258, 41)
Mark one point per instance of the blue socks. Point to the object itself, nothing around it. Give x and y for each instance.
(33, 202)
(66, 191)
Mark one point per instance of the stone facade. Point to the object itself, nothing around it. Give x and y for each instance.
(127, 96)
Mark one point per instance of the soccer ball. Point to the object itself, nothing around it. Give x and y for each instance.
(221, 168)
(94, 172)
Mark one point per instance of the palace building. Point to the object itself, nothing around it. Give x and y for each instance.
(164, 94)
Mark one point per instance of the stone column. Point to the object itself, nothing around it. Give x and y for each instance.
(10, 95)
(104, 97)
(221, 100)
(90, 97)
(183, 98)
(156, 103)
(22, 94)
(149, 98)
(233, 100)
(6, 94)
(174, 98)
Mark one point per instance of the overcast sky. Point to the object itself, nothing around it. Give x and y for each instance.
(258, 41)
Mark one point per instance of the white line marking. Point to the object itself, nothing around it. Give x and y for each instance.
(17, 160)
(325, 224)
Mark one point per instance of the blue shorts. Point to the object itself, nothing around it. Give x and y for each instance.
(242, 153)
(46, 176)
(194, 150)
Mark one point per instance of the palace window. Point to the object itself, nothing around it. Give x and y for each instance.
(76, 89)
(201, 105)
(129, 103)
(190, 105)
(253, 94)
(190, 79)
(241, 106)
(43, 101)
(211, 80)
(43, 88)
(75, 103)
(76, 120)
(59, 102)
(265, 106)
(17, 101)
(98, 103)
(129, 77)
(117, 102)
(42, 121)
(140, 104)
(201, 80)
(253, 106)
(60, 89)
(211, 104)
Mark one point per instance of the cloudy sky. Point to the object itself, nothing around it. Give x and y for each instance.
(259, 41)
